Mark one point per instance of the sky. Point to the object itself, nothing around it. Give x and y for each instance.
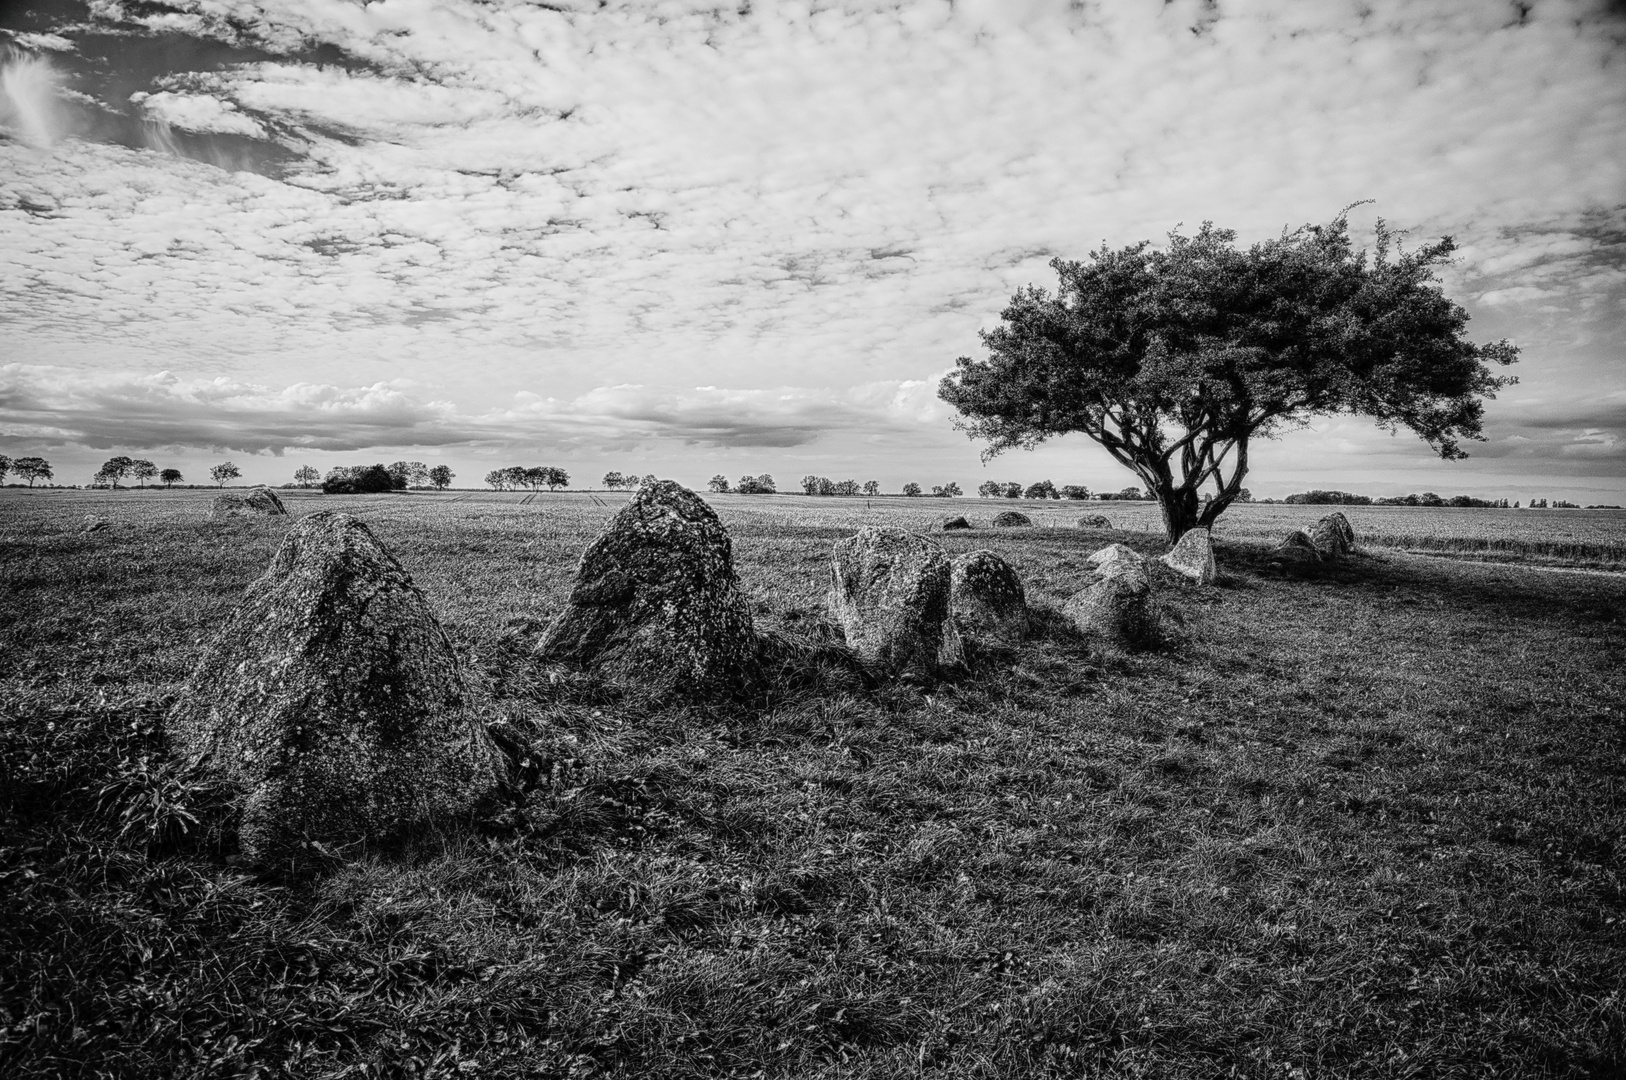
(686, 238)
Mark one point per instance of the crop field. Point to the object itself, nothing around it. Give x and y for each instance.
(1370, 823)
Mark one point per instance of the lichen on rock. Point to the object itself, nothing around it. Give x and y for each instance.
(1114, 603)
(255, 502)
(1193, 557)
(987, 598)
(890, 594)
(1011, 519)
(332, 702)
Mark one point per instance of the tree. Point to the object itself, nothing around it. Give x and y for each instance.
(846, 487)
(555, 477)
(170, 476)
(810, 484)
(441, 476)
(872, 487)
(911, 488)
(950, 489)
(756, 485)
(223, 472)
(719, 484)
(497, 478)
(306, 475)
(33, 468)
(613, 480)
(1074, 491)
(5, 467)
(114, 469)
(1013, 491)
(143, 470)
(1174, 360)
(1042, 489)
(990, 489)
(359, 480)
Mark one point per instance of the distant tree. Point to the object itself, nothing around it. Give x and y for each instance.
(170, 477)
(555, 477)
(1174, 360)
(810, 484)
(1428, 498)
(1129, 494)
(1013, 491)
(1042, 489)
(990, 489)
(441, 476)
(223, 472)
(613, 480)
(115, 469)
(143, 470)
(872, 487)
(32, 469)
(306, 475)
(948, 490)
(1075, 491)
(719, 484)
(1243, 495)
(5, 467)
(417, 474)
(358, 480)
(497, 478)
(102, 478)
(756, 485)
(846, 487)
(535, 476)
(911, 488)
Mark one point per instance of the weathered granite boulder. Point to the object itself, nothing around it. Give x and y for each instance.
(1094, 521)
(255, 501)
(656, 604)
(1193, 557)
(1011, 519)
(1333, 536)
(332, 702)
(987, 598)
(1114, 603)
(890, 594)
(955, 522)
(1295, 555)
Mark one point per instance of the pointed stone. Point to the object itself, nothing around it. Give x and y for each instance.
(255, 502)
(890, 593)
(988, 599)
(1114, 603)
(656, 604)
(1193, 557)
(1333, 537)
(333, 703)
(1295, 555)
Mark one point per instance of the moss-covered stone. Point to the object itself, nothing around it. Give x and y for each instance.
(987, 597)
(255, 502)
(890, 594)
(1114, 603)
(1011, 519)
(332, 702)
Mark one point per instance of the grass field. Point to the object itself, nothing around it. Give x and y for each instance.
(1371, 824)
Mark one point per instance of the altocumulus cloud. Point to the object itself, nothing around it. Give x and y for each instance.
(40, 405)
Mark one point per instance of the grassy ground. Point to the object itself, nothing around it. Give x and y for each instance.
(1372, 824)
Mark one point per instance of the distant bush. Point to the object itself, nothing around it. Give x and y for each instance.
(1075, 491)
(1329, 498)
(756, 485)
(358, 480)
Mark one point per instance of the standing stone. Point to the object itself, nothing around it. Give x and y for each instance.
(1094, 521)
(332, 702)
(890, 593)
(656, 604)
(1114, 602)
(956, 522)
(1193, 557)
(987, 598)
(257, 501)
(1011, 519)
(1333, 536)
(1295, 554)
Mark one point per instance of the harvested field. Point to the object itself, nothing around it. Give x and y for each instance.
(1368, 824)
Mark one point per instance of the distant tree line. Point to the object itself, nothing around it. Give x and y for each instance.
(535, 477)
(1045, 489)
(615, 481)
(1427, 498)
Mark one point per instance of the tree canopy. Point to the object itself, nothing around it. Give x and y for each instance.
(1173, 359)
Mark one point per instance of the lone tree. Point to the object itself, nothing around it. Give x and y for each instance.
(223, 472)
(170, 476)
(1175, 359)
(441, 476)
(306, 475)
(719, 484)
(5, 467)
(143, 470)
(32, 469)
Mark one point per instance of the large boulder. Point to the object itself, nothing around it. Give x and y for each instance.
(1011, 519)
(957, 521)
(890, 594)
(656, 604)
(1115, 602)
(1333, 537)
(1296, 554)
(332, 702)
(987, 598)
(1193, 557)
(252, 503)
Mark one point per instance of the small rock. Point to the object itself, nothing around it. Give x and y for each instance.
(1295, 554)
(1193, 557)
(656, 604)
(333, 704)
(1114, 602)
(1094, 521)
(987, 598)
(956, 522)
(890, 594)
(1011, 519)
(93, 524)
(256, 501)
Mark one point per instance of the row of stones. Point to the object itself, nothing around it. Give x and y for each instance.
(333, 704)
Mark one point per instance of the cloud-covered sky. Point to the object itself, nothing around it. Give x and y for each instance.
(688, 237)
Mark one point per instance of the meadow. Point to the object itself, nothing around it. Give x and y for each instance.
(1366, 824)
